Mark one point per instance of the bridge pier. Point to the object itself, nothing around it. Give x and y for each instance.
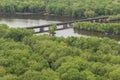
(100, 20)
(93, 20)
(107, 20)
(41, 29)
(70, 24)
(65, 26)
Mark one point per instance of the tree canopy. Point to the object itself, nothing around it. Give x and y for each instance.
(73, 8)
(44, 57)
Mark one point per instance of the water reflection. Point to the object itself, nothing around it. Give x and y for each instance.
(69, 32)
(17, 22)
(36, 17)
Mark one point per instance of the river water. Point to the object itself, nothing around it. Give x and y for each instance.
(27, 20)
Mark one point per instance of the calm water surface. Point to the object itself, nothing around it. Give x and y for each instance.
(28, 20)
(16, 21)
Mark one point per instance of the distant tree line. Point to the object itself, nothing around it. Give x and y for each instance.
(72, 8)
(24, 56)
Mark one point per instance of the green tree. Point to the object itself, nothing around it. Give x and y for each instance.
(71, 74)
(89, 13)
(3, 29)
(114, 75)
(18, 34)
(52, 29)
(10, 77)
(87, 75)
(2, 71)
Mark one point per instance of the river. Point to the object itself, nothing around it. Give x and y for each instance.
(27, 20)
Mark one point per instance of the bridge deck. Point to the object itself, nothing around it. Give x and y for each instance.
(69, 22)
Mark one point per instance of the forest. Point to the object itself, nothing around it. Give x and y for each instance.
(25, 56)
(71, 8)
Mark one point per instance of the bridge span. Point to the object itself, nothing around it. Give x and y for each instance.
(66, 25)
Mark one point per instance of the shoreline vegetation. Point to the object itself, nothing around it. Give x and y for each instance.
(111, 18)
(106, 28)
(115, 17)
(62, 7)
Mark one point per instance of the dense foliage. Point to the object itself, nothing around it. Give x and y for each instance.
(52, 29)
(114, 17)
(44, 57)
(74, 8)
(110, 28)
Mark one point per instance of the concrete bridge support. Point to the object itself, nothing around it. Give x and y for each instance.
(70, 24)
(100, 20)
(93, 21)
(41, 30)
(65, 26)
(105, 20)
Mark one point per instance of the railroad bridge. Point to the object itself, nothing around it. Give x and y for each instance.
(66, 25)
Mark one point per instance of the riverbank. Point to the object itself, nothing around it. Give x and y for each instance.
(111, 18)
(37, 16)
(43, 14)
